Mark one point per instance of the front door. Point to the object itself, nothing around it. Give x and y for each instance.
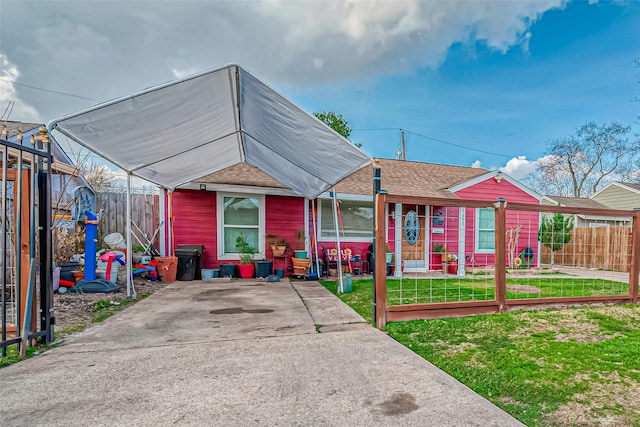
(413, 238)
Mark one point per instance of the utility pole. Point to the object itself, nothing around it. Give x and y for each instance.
(404, 150)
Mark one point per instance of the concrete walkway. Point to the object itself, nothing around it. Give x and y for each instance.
(240, 353)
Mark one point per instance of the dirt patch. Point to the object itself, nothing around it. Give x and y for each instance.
(566, 326)
(524, 289)
(74, 311)
(597, 407)
(453, 349)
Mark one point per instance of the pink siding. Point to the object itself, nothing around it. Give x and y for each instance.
(284, 216)
(492, 190)
(194, 222)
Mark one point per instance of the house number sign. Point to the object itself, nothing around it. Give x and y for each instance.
(411, 227)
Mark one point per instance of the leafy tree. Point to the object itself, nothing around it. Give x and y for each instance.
(337, 123)
(579, 165)
(555, 232)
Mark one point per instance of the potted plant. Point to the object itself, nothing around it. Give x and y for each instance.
(438, 256)
(78, 273)
(440, 249)
(452, 266)
(246, 267)
(278, 246)
(300, 251)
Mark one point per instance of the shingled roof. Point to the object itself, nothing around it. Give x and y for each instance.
(242, 174)
(407, 178)
(577, 202)
(634, 186)
(399, 177)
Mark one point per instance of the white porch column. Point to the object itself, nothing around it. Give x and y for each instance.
(398, 241)
(462, 213)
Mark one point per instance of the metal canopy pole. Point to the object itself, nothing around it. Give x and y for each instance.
(129, 255)
(335, 219)
(315, 235)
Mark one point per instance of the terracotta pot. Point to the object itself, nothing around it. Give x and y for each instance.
(278, 250)
(452, 268)
(247, 270)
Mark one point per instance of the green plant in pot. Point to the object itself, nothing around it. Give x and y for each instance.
(278, 246)
(440, 249)
(247, 268)
(300, 251)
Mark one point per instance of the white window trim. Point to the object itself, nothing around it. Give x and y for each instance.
(322, 238)
(477, 235)
(261, 225)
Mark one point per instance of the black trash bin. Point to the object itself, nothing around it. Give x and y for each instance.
(186, 264)
(227, 270)
(263, 268)
(199, 258)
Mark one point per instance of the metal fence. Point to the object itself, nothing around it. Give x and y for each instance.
(25, 238)
(457, 257)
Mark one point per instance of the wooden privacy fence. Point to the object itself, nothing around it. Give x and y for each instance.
(144, 213)
(488, 292)
(609, 248)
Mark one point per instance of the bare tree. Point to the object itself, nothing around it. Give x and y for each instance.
(581, 164)
(637, 62)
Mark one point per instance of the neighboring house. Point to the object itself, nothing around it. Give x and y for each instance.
(581, 220)
(619, 195)
(244, 200)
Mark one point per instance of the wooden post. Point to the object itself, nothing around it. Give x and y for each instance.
(380, 230)
(23, 250)
(500, 249)
(635, 258)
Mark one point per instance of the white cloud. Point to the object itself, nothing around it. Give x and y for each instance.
(476, 164)
(519, 167)
(20, 111)
(108, 49)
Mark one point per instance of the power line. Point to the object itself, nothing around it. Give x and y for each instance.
(50, 91)
(459, 146)
(440, 141)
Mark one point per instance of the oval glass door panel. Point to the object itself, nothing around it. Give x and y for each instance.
(411, 227)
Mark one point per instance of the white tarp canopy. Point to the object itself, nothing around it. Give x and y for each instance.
(183, 130)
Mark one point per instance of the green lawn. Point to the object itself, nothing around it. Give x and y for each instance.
(410, 291)
(572, 366)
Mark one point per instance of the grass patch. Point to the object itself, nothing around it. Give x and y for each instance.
(360, 299)
(430, 290)
(573, 366)
(13, 356)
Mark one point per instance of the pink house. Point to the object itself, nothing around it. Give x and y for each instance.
(242, 199)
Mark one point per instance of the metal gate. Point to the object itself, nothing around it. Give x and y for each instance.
(26, 286)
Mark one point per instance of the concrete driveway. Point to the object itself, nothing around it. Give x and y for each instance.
(239, 353)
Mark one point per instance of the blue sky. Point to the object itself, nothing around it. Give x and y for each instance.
(578, 67)
(499, 77)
